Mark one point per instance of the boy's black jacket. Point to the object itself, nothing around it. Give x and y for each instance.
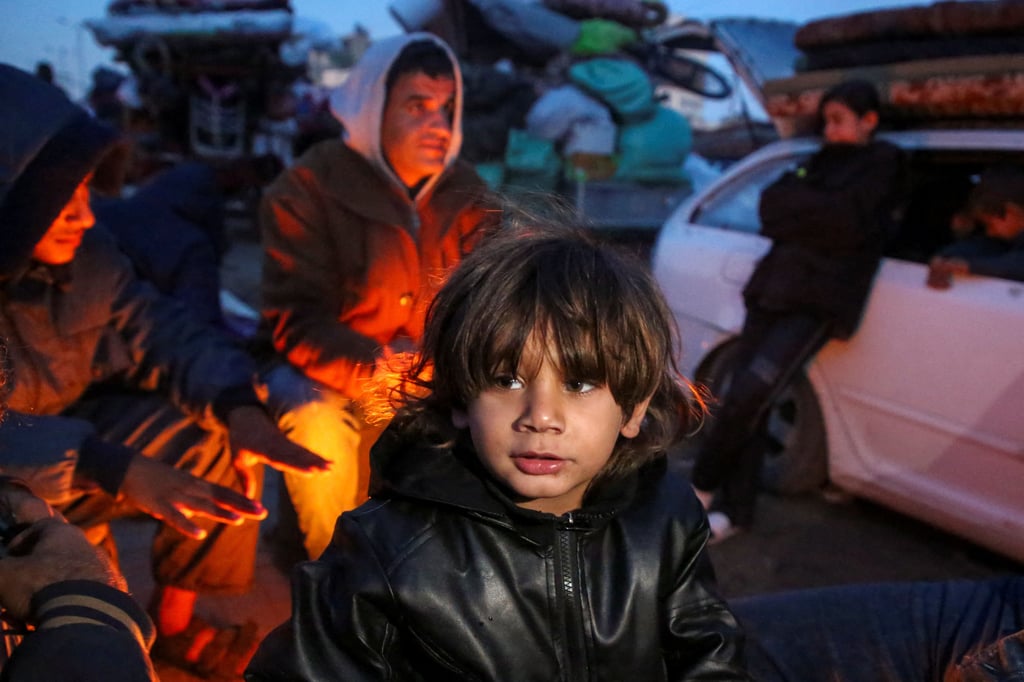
(829, 222)
(440, 577)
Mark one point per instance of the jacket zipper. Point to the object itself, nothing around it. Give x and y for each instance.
(570, 601)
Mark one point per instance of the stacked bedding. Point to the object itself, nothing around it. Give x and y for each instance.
(949, 61)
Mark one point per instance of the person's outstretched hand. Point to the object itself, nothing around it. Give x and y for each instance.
(174, 497)
(47, 550)
(256, 439)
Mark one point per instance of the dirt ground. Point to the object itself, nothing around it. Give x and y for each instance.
(810, 542)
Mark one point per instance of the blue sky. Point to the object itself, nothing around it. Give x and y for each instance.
(52, 30)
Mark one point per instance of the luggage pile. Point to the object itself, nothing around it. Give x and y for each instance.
(587, 126)
(207, 71)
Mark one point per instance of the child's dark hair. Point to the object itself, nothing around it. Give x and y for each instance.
(597, 305)
(860, 96)
(421, 55)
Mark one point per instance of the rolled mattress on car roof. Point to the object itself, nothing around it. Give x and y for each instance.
(943, 29)
(959, 62)
(148, 6)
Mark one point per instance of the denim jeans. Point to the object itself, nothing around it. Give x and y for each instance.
(771, 349)
(886, 632)
(330, 425)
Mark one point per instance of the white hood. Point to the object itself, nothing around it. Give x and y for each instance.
(359, 102)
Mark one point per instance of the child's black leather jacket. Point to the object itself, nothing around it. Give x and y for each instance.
(439, 576)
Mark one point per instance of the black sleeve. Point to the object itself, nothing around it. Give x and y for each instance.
(85, 630)
(343, 625)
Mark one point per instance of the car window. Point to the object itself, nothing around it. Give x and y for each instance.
(938, 185)
(734, 205)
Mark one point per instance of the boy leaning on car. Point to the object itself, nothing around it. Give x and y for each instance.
(828, 221)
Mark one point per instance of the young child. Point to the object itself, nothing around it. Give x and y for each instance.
(997, 203)
(523, 523)
(829, 221)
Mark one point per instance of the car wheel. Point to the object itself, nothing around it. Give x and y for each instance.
(796, 458)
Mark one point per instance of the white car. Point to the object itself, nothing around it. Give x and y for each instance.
(923, 409)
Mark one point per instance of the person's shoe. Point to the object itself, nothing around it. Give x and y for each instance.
(721, 526)
(835, 495)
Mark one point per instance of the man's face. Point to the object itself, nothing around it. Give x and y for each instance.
(417, 126)
(64, 236)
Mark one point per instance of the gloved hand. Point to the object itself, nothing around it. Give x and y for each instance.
(601, 36)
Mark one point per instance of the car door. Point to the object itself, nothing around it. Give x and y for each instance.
(927, 399)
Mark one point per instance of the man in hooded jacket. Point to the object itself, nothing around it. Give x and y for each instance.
(358, 235)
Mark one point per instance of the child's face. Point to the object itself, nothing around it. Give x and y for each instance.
(844, 126)
(60, 242)
(1005, 226)
(546, 436)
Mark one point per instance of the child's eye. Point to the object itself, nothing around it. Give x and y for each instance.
(509, 382)
(578, 386)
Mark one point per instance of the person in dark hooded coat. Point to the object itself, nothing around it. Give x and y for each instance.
(121, 402)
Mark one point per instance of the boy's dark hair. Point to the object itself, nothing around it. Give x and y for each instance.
(859, 95)
(600, 308)
(997, 187)
(421, 55)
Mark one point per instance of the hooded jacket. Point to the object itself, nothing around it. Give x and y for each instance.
(351, 259)
(43, 158)
(92, 320)
(441, 577)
